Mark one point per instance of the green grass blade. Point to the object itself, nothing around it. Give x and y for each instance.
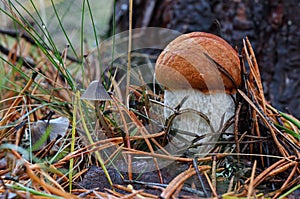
(43, 27)
(41, 45)
(91, 141)
(63, 29)
(292, 133)
(95, 35)
(289, 192)
(42, 140)
(291, 119)
(82, 40)
(21, 187)
(75, 105)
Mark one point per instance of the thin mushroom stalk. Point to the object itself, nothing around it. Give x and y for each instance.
(204, 69)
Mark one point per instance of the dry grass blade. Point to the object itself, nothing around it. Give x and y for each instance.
(142, 131)
(254, 71)
(179, 180)
(129, 189)
(266, 121)
(212, 187)
(127, 135)
(129, 49)
(236, 122)
(270, 171)
(250, 188)
(173, 158)
(8, 116)
(39, 181)
(260, 155)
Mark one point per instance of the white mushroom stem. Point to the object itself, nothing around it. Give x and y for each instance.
(218, 107)
(193, 65)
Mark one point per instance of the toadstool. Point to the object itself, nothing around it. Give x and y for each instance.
(201, 71)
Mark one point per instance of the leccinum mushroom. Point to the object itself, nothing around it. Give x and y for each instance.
(205, 69)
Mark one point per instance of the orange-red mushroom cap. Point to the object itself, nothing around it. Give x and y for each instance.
(201, 61)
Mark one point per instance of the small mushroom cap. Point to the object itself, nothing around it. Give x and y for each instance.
(200, 61)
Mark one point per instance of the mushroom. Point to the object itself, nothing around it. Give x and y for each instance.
(201, 73)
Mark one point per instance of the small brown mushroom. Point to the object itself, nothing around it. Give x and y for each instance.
(204, 69)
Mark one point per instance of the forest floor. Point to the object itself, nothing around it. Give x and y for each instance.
(61, 140)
